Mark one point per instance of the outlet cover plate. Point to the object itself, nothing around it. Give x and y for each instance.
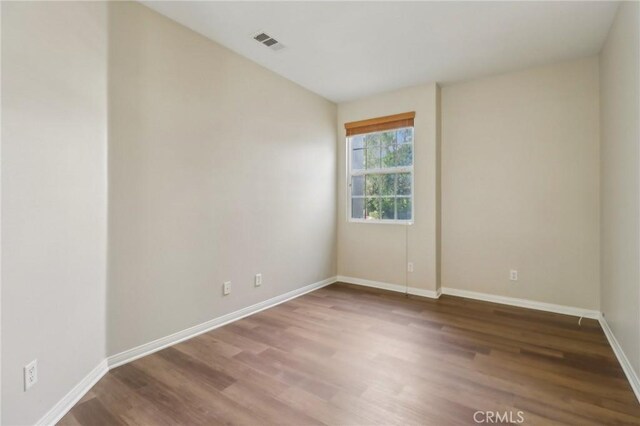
(30, 374)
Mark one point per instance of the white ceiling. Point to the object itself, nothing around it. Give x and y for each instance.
(347, 50)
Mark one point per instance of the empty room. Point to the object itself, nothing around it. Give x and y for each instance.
(319, 213)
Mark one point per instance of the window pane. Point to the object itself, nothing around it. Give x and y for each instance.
(372, 185)
(404, 155)
(404, 135)
(372, 140)
(357, 159)
(404, 208)
(388, 156)
(388, 138)
(372, 206)
(404, 184)
(388, 208)
(372, 158)
(388, 184)
(357, 208)
(357, 142)
(382, 196)
(357, 185)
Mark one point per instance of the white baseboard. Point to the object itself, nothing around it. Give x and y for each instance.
(172, 339)
(522, 303)
(631, 374)
(632, 377)
(504, 300)
(70, 399)
(432, 294)
(65, 404)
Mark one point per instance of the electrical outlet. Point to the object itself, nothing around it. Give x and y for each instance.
(410, 266)
(258, 280)
(30, 374)
(226, 288)
(513, 275)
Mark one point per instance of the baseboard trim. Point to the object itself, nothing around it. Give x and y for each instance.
(188, 333)
(631, 374)
(503, 300)
(432, 294)
(70, 399)
(632, 377)
(522, 303)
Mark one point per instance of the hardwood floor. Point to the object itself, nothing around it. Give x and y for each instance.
(346, 355)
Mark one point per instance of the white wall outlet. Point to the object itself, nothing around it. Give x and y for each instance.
(30, 374)
(513, 275)
(226, 288)
(410, 266)
(258, 280)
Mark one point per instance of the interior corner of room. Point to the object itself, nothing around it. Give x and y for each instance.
(159, 181)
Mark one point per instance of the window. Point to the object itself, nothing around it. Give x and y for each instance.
(380, 181)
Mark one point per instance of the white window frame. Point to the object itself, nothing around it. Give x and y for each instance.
(385, 170)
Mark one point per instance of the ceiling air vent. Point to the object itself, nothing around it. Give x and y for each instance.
(261, 37)
(268, 41)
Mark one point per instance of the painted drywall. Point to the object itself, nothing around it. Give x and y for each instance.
(380, 252)
(219, 169)
(520, 161)
(620, 184)
(54, 213)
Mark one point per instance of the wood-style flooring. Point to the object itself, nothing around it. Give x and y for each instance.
(347, 355)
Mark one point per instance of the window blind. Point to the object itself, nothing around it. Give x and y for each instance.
(380, 124)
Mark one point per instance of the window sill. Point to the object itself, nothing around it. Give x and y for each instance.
(381, 222)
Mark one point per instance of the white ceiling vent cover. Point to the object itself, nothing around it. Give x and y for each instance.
(266, 40)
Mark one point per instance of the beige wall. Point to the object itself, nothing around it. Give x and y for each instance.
(219, 169)
(620, 162)
(54, 179)
(520, 184)
(377, 252)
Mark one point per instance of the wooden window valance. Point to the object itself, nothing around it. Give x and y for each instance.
(379, 124)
